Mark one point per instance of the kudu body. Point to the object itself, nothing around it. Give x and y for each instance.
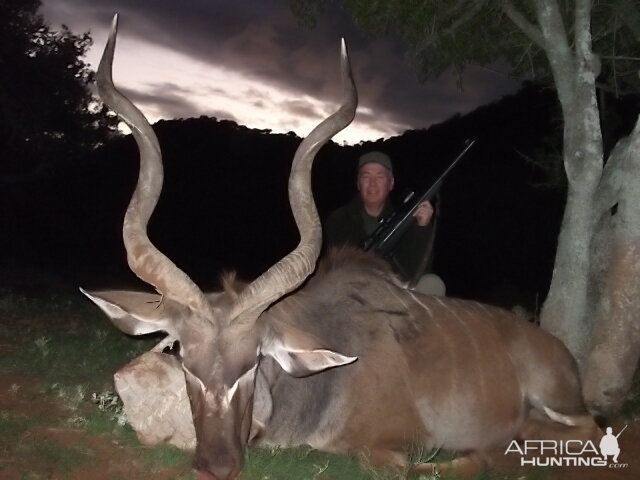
(350, 362)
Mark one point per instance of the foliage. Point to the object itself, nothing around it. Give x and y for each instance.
(110, 403)
(47, 112)
(452, 35)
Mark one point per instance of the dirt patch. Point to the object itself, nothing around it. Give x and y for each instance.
(37, 443)
(20, 395)
(92, 458)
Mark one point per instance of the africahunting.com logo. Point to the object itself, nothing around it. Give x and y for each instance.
(571, 453)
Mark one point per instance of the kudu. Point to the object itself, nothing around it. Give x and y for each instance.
(349, 362)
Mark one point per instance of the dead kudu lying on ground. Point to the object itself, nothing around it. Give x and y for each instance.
(351, 361)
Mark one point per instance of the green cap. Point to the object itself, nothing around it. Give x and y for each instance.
(376, 157)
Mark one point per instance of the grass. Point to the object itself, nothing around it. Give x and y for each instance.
(165, 456)
(66, 459)
(98, 423)
(65, 340)
(13, 426)
(301, 463)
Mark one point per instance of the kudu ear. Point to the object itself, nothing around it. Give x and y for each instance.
(298, 352)
(135, 313)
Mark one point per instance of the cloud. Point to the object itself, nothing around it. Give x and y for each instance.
(166, 99)
(301, 108)
(281, 64)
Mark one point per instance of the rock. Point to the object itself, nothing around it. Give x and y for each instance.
(154, 393)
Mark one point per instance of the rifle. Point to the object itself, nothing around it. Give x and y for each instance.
(391, 228)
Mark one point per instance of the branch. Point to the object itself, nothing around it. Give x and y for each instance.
(557, 49)
(630, 16)
(554, 34)
(620, 57)
(621, 91)
(465, 17)
(526, 54)
(451, 14)
(528, 28)
(452, 11)
(583, 35)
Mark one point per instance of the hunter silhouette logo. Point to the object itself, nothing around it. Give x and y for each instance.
(609, 444)
(576, 453)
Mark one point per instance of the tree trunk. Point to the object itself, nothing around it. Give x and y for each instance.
(615, 345)
(565, 312)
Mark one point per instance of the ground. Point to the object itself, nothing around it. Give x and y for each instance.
(59, 417)
(41, 440)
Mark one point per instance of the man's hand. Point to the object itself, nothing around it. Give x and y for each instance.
(423, 213)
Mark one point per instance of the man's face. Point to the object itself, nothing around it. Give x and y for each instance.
(374, 184)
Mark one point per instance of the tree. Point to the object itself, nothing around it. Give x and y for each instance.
(580, 47)
(47, 113)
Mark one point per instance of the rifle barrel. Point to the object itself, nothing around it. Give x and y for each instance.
(400, 226)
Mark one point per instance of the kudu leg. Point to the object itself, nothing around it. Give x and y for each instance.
(552, 425)
(584, 428)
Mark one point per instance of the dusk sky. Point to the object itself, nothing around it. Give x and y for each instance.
(251, 62)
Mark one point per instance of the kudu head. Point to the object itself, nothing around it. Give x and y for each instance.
(220, 343)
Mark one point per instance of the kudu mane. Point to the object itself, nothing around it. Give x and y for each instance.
(232, 286)
(339, 266)
(350, 261)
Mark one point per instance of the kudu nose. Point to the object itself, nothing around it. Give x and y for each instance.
(219, 474)
(205, 476)
(225, 471)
